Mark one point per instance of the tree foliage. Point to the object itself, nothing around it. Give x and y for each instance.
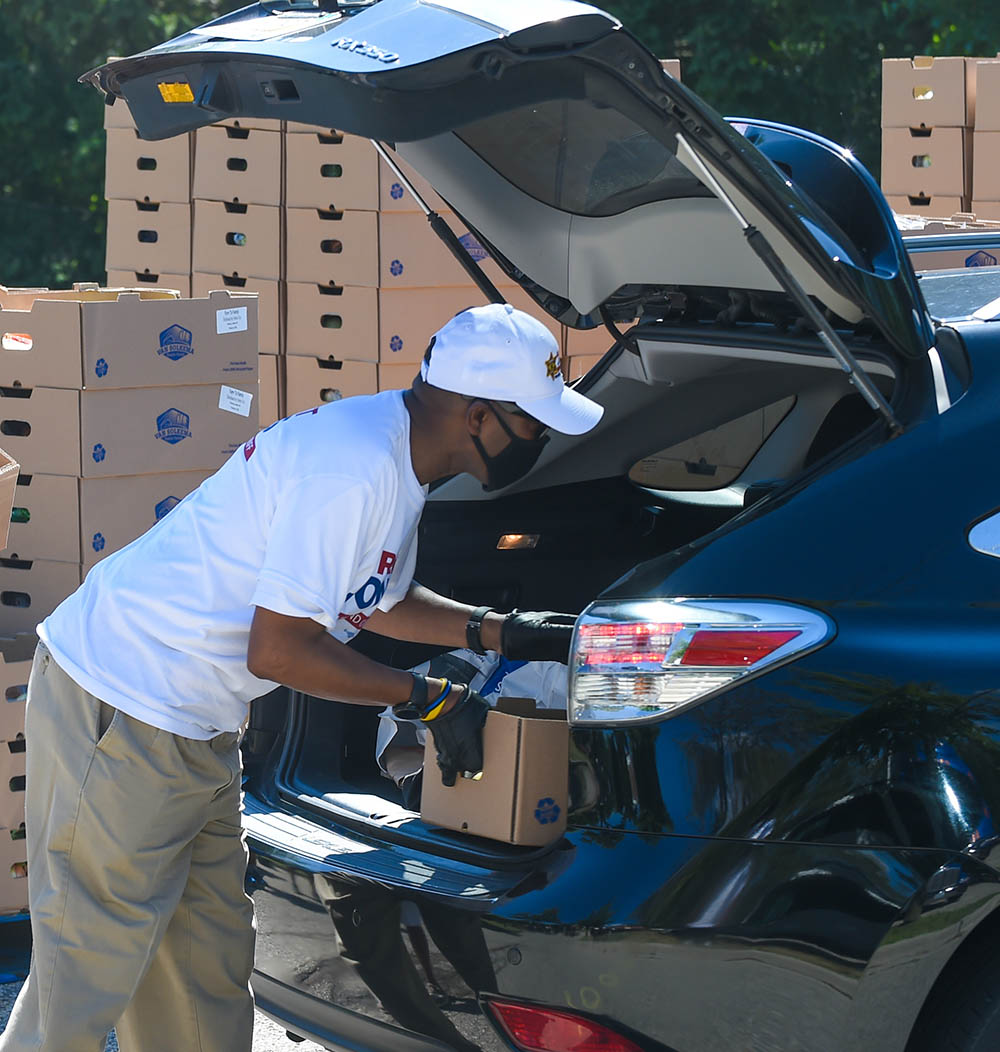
(815, 64)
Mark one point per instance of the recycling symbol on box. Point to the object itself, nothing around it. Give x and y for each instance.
(396, 343)
(395, 268)
(101, 367)
(99, 453)
(98, 542)
(396, 191)
(547, 811)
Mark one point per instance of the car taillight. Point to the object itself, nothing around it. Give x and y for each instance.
(535, 1028)
(645, 659)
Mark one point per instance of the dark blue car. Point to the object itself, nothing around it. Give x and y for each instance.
(782, 540)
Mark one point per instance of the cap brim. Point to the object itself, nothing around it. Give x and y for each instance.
(567, 411)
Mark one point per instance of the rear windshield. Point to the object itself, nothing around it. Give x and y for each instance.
(581, 157)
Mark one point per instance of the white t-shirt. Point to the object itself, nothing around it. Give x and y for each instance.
(314, 517)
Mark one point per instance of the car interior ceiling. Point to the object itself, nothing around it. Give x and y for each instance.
(590, 522)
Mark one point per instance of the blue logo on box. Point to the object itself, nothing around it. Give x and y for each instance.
(176, 342)
(101, 367)
(395, 268)
(165, 505)
(547, 811)
(981, 259)
(98, 542)
(99, 453)
(173, 426)
(396, 343)
(396, 191)
(474, 248)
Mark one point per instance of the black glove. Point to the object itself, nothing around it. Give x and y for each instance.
(537, 635)
(458, 735)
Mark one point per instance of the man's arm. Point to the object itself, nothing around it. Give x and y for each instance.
(301, 654)
(423, 616)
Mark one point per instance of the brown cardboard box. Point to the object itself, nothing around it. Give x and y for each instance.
(337, 247)
(236, 239)
(16, 654)
(12, 755)
(586, 343)
(84, 520)
(333, 172)
(396, 376)
(927, 161)
(393, 195)
(260, 123)
(339, 321)
(953, 259)
(118, 115)
(919, 204)
(986, 166)
(136, 431)
(13, 871)
(579, 365)
(310, 382)
(986, 209)
(9, 471)
(988, 96)
(268, 294)
(672, 66)
(107, 338)
(148, 236)
(143, 170)
(523, 793)
(238, 164)
(30, 589)
(933, 92)
(270, 389)
(143, 279)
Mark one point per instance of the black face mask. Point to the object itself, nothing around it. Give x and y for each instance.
(514, 461)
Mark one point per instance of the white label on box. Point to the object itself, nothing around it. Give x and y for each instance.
(231, 319)
(233, 400)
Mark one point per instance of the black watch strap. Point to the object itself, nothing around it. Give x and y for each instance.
(474, 628)
(413, 708)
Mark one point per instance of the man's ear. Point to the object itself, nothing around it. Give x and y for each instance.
(475, 416)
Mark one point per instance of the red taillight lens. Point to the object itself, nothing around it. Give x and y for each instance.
(534, 1028)
(734, 649)
(628, 643)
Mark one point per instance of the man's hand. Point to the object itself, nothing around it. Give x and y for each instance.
(458, 735)
(537, 635)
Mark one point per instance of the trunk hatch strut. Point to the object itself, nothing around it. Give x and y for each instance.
(828, 335)
(445, 233)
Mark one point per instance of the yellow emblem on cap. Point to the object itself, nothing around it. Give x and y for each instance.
(552, 366)
(176, 92)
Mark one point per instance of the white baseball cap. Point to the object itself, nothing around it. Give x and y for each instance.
(498, 353)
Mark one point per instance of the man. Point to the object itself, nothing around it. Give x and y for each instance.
(142, 680)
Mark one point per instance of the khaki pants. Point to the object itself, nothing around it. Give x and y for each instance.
(136, 863)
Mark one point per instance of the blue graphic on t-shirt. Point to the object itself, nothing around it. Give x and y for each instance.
(547, 811)
(499, 674)
(176, 342)
(172, 426)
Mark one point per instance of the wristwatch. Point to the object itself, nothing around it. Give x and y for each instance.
(417, 706)
(474, 628)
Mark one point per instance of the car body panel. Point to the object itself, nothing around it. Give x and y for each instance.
(550, 93)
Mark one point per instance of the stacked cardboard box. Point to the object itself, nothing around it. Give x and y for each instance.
(15, 664)
(116, 404)
(928, 111)
(986, 138)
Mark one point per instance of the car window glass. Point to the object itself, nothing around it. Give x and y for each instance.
(581, 157)
(713, 459)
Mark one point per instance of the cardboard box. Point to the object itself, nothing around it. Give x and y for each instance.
(12, 755)
(523, 793)
(926, 162)
(13, 871)
(929, 92)
(238, 164)
(270, 389)
(268, 293)
(988, 95)
(331, 247)
(331, 171)
(149, 236)
(396, 376)
(340, 321)
(30, 589)
(393, 194)
(9, 472)
(67, 519)
(143, 170)
(586, 343)
(16, 655)
(672, 66)
(310, 382)
(107, 338)
(260, 123)
(146, 279)
(136, 431)
(118, 115)
(986, 165)
(986, 209)
(921, 204)
(237, 239)
(575, 366)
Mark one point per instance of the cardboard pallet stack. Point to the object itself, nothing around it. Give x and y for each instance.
(986, 142)
(928, 112)
(116, 404)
